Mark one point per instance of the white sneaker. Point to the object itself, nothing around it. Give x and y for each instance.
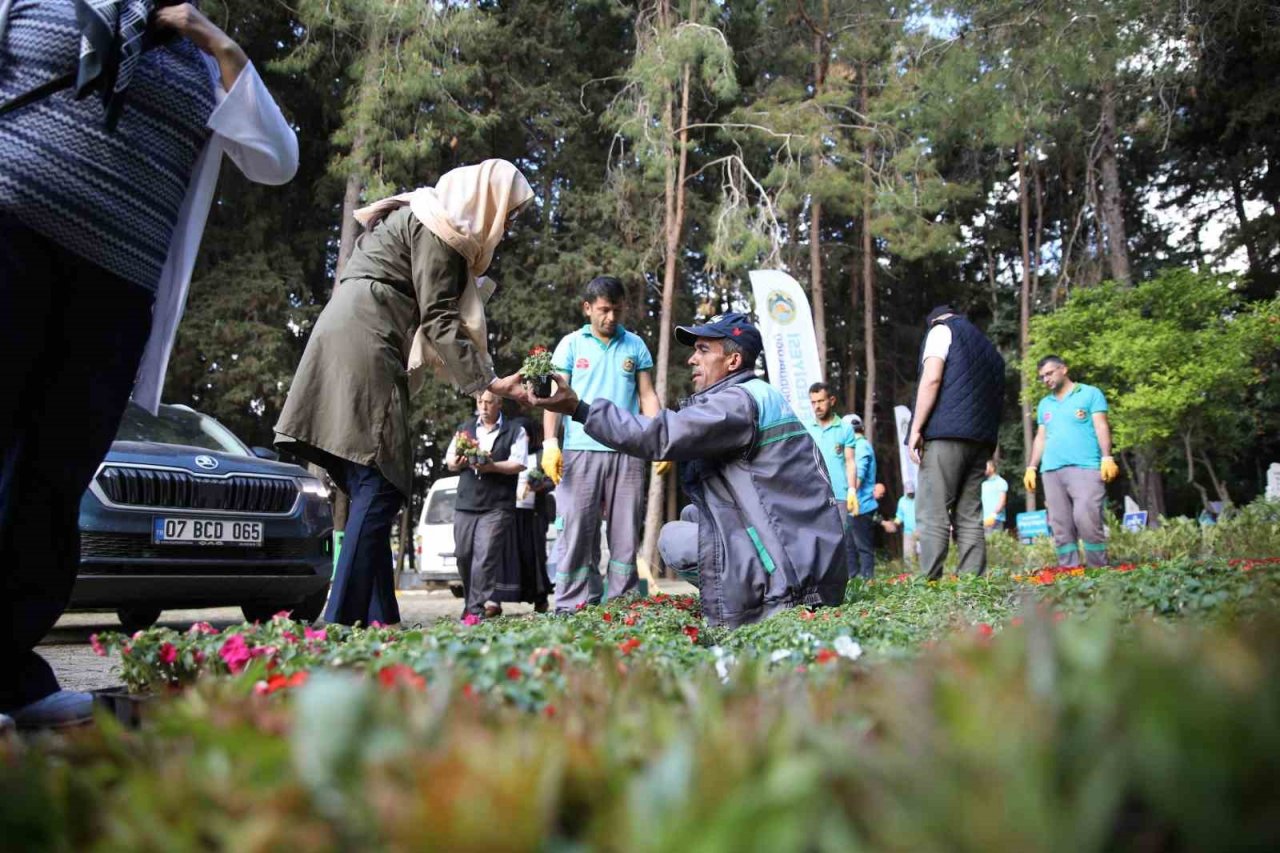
(55, 711)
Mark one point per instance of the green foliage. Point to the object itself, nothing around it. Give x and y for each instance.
(1108, 736)
(239, 344)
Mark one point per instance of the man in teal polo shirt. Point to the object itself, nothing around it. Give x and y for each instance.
(600, 361)
(835, 438)
(1073, 450)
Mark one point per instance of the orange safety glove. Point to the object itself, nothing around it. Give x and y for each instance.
(1109, 469)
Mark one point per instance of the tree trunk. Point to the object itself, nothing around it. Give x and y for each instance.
(816, 291)
(1039, 236)
(851, 381)
(673, 227)
(1250, 244)
(1024, 316)
(1112, 194)
(868, 276)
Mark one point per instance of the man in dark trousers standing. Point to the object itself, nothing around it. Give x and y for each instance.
(484, 515)
(954, 429)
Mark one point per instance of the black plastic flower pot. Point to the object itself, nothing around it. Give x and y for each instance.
(540, 386)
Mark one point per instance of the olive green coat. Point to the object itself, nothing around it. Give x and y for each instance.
(350, 397)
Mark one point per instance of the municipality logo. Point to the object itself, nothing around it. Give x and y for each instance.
(782, 308)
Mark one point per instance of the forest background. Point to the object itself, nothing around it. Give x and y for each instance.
(1095, 177)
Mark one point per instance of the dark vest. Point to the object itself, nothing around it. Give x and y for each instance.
(971, 398)
(483, 492)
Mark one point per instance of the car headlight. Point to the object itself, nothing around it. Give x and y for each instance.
(312, 486)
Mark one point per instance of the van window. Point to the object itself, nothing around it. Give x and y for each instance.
(440, 507)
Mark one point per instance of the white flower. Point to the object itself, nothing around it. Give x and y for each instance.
(779, 654)
(847, 647)
(724, 660)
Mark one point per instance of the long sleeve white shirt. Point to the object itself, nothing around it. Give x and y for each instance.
(249, 128)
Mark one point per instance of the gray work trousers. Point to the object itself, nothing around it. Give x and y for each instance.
(598, 485)
(949, 497)
(1074, 498)
(678, 545)
(479, 544)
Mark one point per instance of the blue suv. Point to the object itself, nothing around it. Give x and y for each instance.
(181, 513)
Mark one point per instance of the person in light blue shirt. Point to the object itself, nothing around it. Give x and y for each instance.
(836, 439)
(904, 519)
(862, 501)
(1073, 450)
(995, 494)
(600, 361)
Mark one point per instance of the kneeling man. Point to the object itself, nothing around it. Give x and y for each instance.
(768, 534)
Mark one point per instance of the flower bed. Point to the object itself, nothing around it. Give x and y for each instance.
(523, 661)
(1081, 734)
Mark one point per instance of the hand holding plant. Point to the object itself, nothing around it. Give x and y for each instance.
(536, 371)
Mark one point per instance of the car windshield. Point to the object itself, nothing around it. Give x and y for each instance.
(440, 507)
(179, 426)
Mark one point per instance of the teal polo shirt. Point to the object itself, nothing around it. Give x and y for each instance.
(598, 370)
(832, 440)
(864, 462)
(906, 514)
(1070, 439)
(992, 489)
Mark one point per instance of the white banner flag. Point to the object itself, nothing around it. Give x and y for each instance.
(902, 418)
(790, 347)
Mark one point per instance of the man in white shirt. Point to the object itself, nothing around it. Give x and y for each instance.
(485, 512)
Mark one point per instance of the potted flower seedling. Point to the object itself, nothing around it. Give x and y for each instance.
(466, 447)
(536, 372)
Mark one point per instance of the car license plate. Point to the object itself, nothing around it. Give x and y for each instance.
(205, 531)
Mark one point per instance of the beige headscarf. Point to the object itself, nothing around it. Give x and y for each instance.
(468, 208)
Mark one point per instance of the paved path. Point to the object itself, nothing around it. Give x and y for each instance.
(78, 668)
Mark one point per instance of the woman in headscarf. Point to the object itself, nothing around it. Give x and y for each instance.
(408, 298)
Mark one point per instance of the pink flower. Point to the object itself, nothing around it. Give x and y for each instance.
(97, 646)
(315, 634)
(235, 653)
(376, 624)
(168, 653)
(282, 614)
(471, 619)
(202, 628)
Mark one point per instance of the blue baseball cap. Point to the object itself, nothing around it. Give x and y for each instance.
(737, 327)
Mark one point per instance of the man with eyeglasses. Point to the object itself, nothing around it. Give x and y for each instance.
(1073, 449)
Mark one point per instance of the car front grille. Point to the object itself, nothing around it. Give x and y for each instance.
(124, 547)
(164, 489)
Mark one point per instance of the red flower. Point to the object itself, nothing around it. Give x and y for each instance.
(97, 646)
(281, 682)
(985, 631)
(628, 645)
(514, 673)
(827, 656)
(807, 615)
(691, 631)
(538, 350)
(608, 617)
(168, 653)
(628, 620)
(549, 711)
(1016, 621)
(235, 653)
(400, 674)
(468, 691)
(582, 605)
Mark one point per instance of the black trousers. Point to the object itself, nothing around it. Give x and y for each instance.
(364, 583)
(71, 338)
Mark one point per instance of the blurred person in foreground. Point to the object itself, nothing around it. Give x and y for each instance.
(114, 117)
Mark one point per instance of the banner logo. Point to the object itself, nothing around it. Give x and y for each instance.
(781, 308)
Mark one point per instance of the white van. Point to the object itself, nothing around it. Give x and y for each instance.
(434, 536)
